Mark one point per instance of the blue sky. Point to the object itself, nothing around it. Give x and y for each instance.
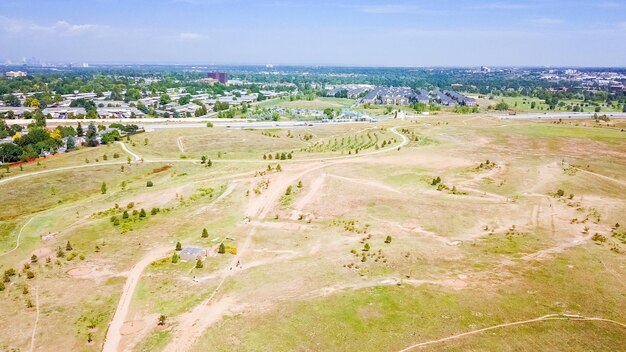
(322, 32)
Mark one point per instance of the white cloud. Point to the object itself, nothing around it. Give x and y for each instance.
(547, 21)
(395, 9)
(504, 6)
(609, 5)
(19, 25)
(191, 36)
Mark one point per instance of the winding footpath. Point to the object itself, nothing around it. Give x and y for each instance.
(19, 236)
(570, 317)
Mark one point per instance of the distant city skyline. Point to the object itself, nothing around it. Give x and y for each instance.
(324, 32)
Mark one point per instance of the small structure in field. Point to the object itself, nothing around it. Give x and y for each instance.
(193, 253)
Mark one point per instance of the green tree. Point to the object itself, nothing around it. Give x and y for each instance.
(175, 258)
(142, 213)
(366, 247)
(179, 246)
(149, 184)
(68, 246)
(205, 233)
(103, 188)
(388, 239)
(222, 249)
(288, 191)
(162, 319)
(199, 264)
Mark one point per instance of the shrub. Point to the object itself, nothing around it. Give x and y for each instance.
(149, 184)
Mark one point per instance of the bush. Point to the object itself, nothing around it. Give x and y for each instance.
(30, 275)
(149, 184)
(209, 124)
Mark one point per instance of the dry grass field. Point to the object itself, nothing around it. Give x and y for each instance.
(443, 233)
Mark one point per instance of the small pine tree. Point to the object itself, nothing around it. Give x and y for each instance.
(162, 319)
(125, 214)
(209, 163)
(33, 259)
(366, 247)
(205, 233)
(175, 258)
(68, 246)
(30, 275)
(203, 160)
(388, 239)
(222, 249)
(149, 184)
(279, 168)
(2, 286)
(142, 213)
(179, 247)
(288, 191)
(103, 188)
(199, 264)
(299, 184)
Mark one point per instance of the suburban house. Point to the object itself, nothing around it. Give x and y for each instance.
(390, 96)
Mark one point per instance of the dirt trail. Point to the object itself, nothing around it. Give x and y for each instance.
(19, 236)
(570, 317)
(128, 151)
(367, 183)
(32, 337)
(180, 144)
(114, 336)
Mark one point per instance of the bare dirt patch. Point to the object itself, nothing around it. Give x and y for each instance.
(132, 327)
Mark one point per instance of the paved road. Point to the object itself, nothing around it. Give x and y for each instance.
(561, 115)
(114, 336)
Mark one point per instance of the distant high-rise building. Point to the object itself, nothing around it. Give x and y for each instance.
(221, 77)
(14, 74)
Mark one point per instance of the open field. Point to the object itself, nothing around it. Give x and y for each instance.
(316, 104)
(524, 104)
(443, 233)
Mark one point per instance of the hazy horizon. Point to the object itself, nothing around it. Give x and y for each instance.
(348, 33)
